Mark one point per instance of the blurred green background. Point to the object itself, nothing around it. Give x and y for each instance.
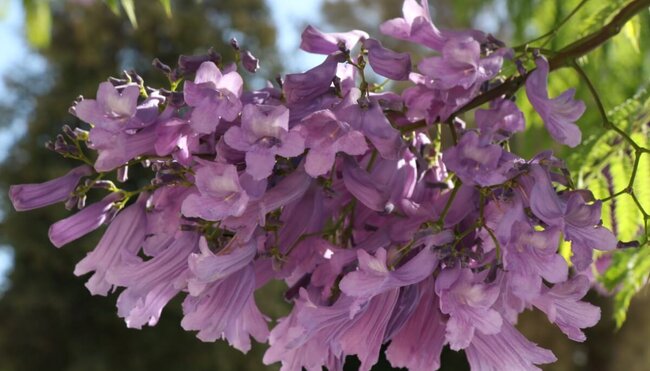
(54, 51)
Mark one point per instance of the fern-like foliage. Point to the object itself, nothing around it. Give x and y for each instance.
(619, 173)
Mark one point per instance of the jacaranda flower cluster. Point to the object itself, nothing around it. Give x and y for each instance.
(390, 220)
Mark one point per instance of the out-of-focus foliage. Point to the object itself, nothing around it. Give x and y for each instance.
(627, 275)
(38, 22)
(38, 16)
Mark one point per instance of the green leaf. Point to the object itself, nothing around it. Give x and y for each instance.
(129, 9)
(114, 6)
(627, 274)
(167, 6)
(38, 22)
(626, 213)
(632, 32)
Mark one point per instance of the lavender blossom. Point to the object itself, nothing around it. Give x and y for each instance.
(579, 221)
(34, 196)
(417, 346)
(374, 276)
(476, 163)
(83, 222)
(559, 114)
(390, 64)
(461, 65)
(206, 267)
(563, 306)
(325, 136)
(264, 133)
(119, 245)
(113, 110)
(227, 310)
(307, 86)
(507, 350)
(315, 41)
(214, 95)
(151, 284)
(468, 302)
(116, 149)
(220, 193)
(367, 116)
(500, 121)
(415, 26)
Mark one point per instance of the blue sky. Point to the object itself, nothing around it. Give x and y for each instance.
(15, 50)
(290, 17)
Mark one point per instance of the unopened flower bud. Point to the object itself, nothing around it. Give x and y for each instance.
(123, 174)
(69, 132)
(250, 63)
(234, 43)
(157, 64)
(81, 202)
(71, 202)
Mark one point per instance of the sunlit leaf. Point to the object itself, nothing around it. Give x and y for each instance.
(632, 32)
(167, 6)
(129, 9)
(38, 22)
(114, 6)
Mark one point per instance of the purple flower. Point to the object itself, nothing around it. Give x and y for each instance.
(151, 284)
(387, 63)
(366, 332)
(507, 350)
(368, 117)
(33, 196)
(475, 163)
(559, 114)
(415, 26)
(264, 133)
(562, 305)
(220, 193)
(528, 254)
(303, 216)
(116, 149)
(206, 267)
(500, 121)
(418, 344)
(325, 136)
(250, 63)
(307, 86)
(361, 185)
(288, 190)
(112, 110)
(119, 244)
(315, 41)
(461, 65)
(579, 221)
(304, 338)
(175, 136)
(163, 218)
(468, 302)
(227, 310)
(214, 96)
(374, 277)
(83, 222)
(532, 255)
